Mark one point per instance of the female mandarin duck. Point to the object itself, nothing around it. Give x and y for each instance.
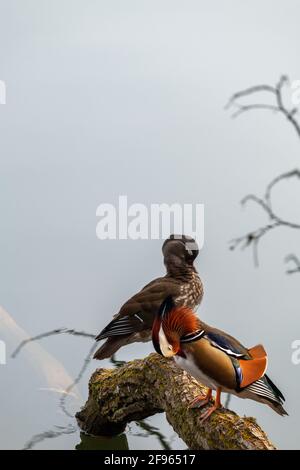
(214, 358)
(134, 320)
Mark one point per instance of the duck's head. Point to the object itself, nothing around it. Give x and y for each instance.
(170, 324)
(179, 251)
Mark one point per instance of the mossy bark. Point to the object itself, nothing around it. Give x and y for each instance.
(142, 388)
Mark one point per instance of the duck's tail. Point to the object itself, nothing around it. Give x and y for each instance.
(111, 346)
(265, 391)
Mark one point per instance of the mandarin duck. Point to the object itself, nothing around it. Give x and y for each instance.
(134, 320)
(214, 358)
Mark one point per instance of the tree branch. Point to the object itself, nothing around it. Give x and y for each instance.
(276, 95)
(253, 237)
(55, 332)
(294, 259)
(142, 388)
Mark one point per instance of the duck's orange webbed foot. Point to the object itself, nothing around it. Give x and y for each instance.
(213, 408)
(201, 400)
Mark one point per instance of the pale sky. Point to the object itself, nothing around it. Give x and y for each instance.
(109, 98)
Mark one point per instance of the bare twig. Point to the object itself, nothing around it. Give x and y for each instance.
(153, 431)
(294, 259)
(243, 108)
(276, 94)
(58, 331)
(52, 433)
(60, 430)
(87, 360)
(70, 428)
(252, 238)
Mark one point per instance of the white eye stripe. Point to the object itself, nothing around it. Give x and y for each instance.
(164, 344)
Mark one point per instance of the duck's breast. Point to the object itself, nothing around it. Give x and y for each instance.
(187, 363)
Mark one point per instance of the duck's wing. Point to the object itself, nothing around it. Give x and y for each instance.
(226, 343)
(137, 314)
(249, 364)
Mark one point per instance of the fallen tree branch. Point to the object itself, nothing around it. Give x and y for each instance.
(144, 387)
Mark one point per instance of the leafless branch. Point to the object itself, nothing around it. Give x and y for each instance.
(276, 94)
(293, 259)
(52, 433)
(85, 364)
(243, 108)
(252, 238)
(57, 331)
(87, 360)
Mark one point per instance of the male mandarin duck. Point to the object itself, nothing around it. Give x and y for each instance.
(214, 358)
(134, 320)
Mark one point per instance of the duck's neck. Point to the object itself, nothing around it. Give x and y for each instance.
(184, 273)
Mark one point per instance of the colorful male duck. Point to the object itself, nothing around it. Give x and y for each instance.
(135, 318)
(214, 358)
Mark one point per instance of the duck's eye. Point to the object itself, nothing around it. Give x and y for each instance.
(170, 347)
